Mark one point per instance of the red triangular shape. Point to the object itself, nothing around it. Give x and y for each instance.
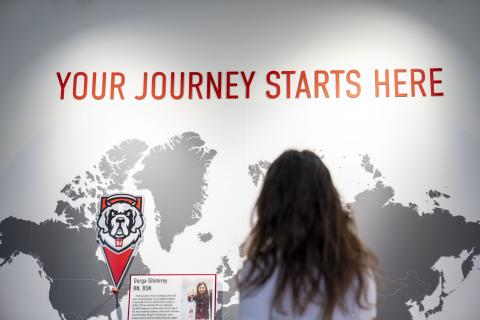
(117, 263)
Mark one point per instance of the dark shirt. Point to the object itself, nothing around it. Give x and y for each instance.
(202, 305)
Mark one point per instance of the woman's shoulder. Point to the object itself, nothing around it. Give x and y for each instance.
(368, 299)
(257, 303)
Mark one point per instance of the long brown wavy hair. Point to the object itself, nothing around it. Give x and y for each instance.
(303, 231)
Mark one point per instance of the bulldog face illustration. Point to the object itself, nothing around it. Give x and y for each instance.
(119, 225)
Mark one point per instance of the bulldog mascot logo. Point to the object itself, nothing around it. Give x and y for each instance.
(120, 226)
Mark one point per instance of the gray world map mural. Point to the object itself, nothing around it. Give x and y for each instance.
(407, 242)
(66, 251)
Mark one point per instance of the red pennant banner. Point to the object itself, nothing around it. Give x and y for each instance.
(117, 263)
(120, 226)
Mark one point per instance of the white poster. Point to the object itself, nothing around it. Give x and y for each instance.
(172, 296)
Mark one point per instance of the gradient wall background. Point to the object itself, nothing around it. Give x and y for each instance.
(419, 144)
